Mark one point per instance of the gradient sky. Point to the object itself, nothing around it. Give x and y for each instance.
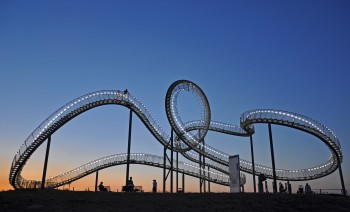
(288, 55)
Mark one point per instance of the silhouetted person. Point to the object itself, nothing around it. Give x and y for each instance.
(131, 185)
(300, 189)
(125, 94)
(101, 187)
(261, 178)
(154, 188)
(308, 189)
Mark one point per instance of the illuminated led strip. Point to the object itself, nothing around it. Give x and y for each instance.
(305, 124)
(255, 116)
(69, 111)
(190, 139)
(119, 159)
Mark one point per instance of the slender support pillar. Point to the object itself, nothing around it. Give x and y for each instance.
(273, 161)
(341, 178)
(172, 162)
(177, 171)
(96, 181)
(165, 158)
(45, 164)
(129, 146)
(253, 165)
(164, 170)
(200, 173)
(200, 167)
(183, 182)
(205, 190)
(208, 178)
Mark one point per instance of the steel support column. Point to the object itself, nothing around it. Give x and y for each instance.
(177, 171)
(183, 182)
(205, 190)
(208, 180)
(165, 158)
(253, 165)
(341, 177)
(164, 169)
(273, 160)
(171, 162)
(200, 167)
(96, 181)
(200, 173)
(129, 146)
(45, 163)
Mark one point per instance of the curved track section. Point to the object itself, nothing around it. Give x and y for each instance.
(188, 140)
(247, 120)
(307, 125)
(73, 109)
(120, 159)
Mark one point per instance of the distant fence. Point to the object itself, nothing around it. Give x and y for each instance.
(329, 191)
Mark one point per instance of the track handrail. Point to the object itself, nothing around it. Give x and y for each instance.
(135, 158)
(247, 120)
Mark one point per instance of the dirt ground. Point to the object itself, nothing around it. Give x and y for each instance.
(58, 200)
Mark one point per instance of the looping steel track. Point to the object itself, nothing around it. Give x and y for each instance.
(187, 142)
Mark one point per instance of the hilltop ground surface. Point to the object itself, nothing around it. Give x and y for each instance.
(57, 200)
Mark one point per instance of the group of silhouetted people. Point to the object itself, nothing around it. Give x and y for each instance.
(130, 186)
(307, 189)
(282, 189)
(300, 189)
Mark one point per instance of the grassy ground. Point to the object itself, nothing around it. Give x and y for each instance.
(57, 200)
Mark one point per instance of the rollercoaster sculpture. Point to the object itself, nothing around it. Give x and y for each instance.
(189, 140)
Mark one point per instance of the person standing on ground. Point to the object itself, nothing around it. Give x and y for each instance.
(154, 188)
(281, 188)
(131, 185)
(308, 189)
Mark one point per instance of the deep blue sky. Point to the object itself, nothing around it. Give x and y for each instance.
(288, 55)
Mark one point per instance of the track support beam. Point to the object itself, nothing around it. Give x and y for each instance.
(201, 167)
(129, 147)
(273, 161)
(171, 162)
(341, 177)
(45, 163)
(164, 169)
(208, 180)
(177, 171)
(200, 172)
(253, 165)
(183, 182)
(96, 181)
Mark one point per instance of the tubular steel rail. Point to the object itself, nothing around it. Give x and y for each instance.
(120, 159)
(189, 143)
(307, 125)
(300, 122)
